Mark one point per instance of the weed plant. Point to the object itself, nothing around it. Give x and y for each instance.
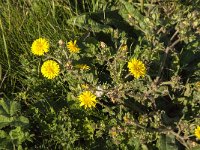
(100, 74)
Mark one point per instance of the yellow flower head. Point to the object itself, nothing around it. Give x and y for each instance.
(83, 66)
(50, 69)
(137, 68)
(72, 47)
(87, 99)
(40, 46)
(197, 132)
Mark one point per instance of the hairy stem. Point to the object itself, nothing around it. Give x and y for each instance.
(164, 59)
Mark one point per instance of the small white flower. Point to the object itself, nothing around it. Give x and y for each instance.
(99, 92)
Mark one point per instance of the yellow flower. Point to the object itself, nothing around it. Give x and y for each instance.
(137, 68)
(40, 46)
(83, 66)
(50, 69)
(197, 132)
(73, 48)
(87, 99)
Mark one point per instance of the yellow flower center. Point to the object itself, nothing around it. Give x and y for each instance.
(40, 46)
(50, 69)
(137, 68)
(87, 99)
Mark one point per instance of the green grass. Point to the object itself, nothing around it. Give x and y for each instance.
(24, 21)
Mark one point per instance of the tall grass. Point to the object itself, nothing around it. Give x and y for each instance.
(23, 21)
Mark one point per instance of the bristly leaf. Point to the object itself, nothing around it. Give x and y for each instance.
(167, 142)
(4, 121)
(14, 108)
(4, 106)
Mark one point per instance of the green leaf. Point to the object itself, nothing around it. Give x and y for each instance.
(167, 142)
(5, 144)
(135, 142)
(133, 12)
(20, 121)
(3, 134)
(18, 135)
(23, 120)
(4, 121)
(14, 108)
(196, 148)
(5, 106)
(85, 22)
(19, 147)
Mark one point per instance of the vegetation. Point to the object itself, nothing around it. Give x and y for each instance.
(100, 74)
